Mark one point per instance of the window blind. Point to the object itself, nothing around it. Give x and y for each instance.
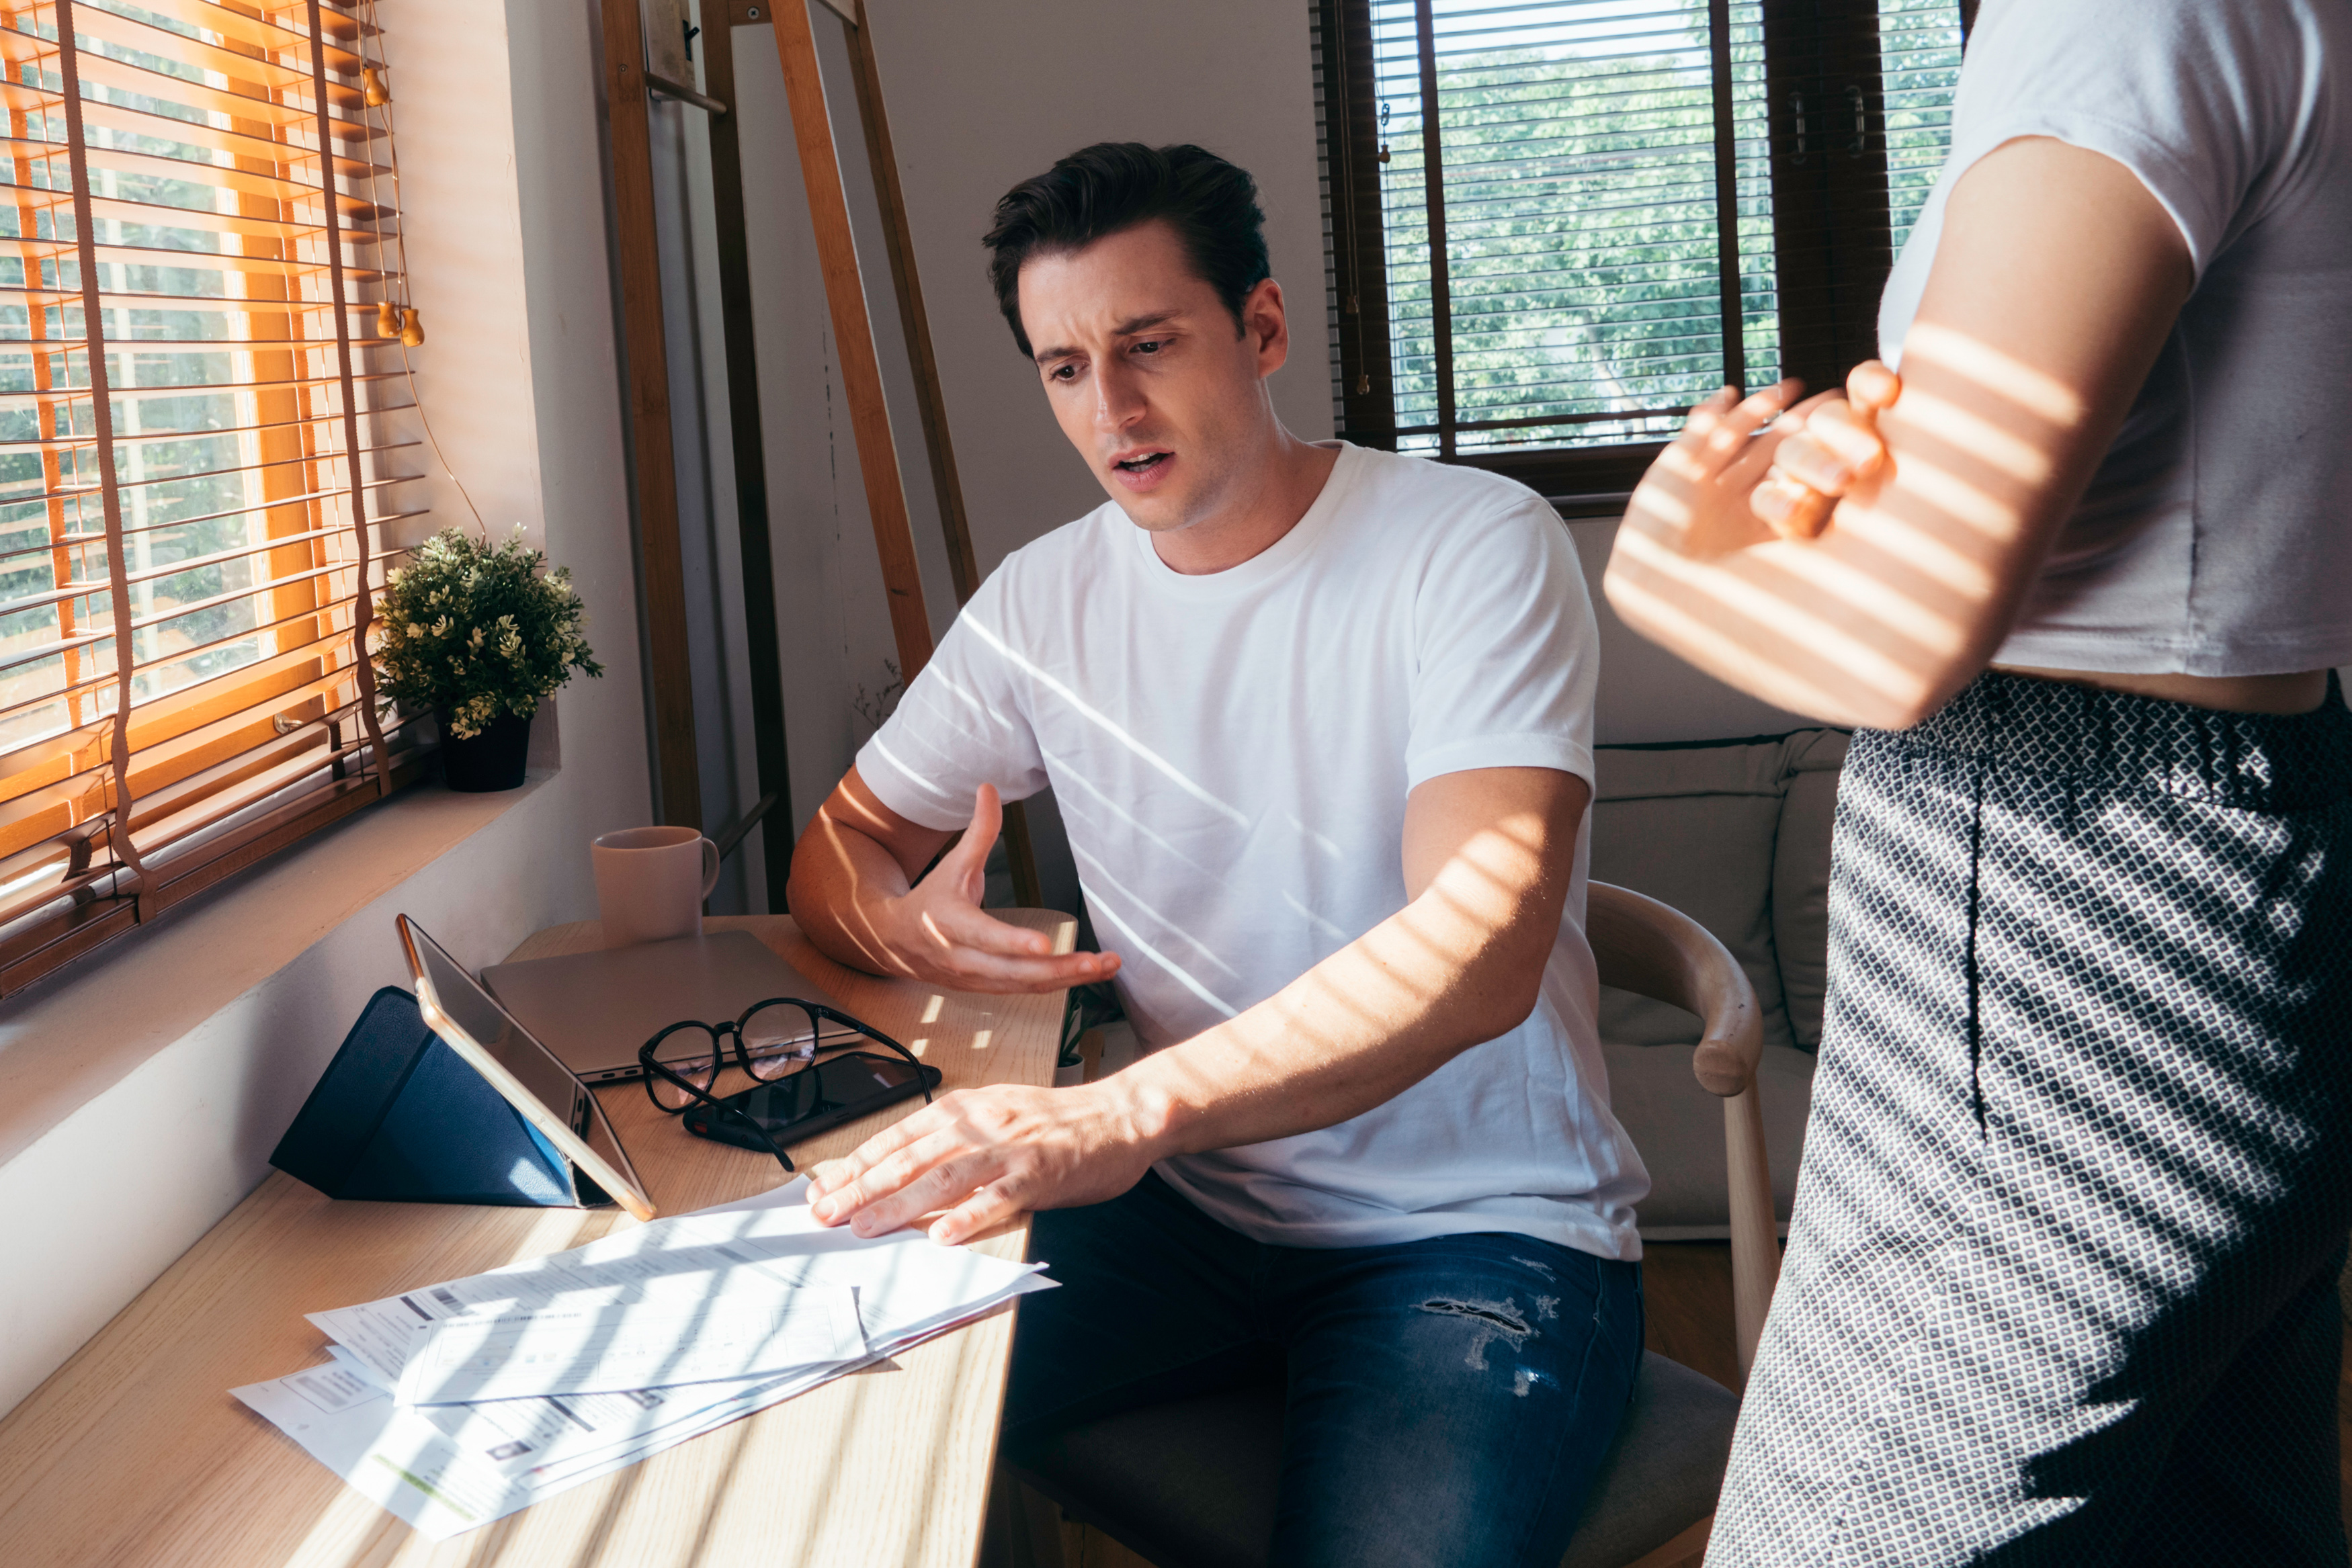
(1556, 224)
(1577, 216)
(1919, 51)
(197, 464)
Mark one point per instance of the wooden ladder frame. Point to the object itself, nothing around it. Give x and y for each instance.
(646, 405)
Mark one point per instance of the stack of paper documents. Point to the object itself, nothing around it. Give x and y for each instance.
(457, 1404)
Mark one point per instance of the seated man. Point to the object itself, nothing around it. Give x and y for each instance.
(1318, 720)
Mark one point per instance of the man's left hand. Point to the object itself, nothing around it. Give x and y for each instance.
(985, 1155)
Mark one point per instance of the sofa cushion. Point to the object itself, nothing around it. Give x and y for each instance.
(1800, 878)
(1693, 827)
(1736, 836)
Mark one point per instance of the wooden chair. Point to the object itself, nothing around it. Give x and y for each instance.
(1192, 1484)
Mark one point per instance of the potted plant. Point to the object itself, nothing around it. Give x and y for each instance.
(476, 634)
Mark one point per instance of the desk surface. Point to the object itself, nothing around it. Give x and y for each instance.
(134, 1453)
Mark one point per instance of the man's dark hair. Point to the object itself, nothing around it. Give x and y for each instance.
(1114, 186)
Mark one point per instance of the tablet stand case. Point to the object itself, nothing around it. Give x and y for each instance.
(399, 1116)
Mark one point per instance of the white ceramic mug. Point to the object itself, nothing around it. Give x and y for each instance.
(651, 882)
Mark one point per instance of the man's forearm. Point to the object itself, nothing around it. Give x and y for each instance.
(854, 892)
(841, 881)
(1460, 964)
(1487, 859)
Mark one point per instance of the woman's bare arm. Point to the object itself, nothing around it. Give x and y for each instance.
(2056, 280)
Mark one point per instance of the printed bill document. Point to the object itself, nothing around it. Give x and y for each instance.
(456, 1404)
(642, 1344)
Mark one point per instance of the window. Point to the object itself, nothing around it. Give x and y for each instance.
(1919, 51)
(1555, 224)
(195, 466)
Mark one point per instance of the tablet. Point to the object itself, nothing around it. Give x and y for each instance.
(547, 1093)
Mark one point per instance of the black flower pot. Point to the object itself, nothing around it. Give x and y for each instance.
(491, 761)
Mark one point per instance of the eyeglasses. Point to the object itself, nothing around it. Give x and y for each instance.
(771, 1045)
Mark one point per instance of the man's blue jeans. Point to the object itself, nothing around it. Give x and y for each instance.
(1447, 1401)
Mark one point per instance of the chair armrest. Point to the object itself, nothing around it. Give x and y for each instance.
(1656, 950)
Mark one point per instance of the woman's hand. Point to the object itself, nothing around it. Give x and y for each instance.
(1696, 498)
(1830, 448)
(2055, 285)
(1746, 471)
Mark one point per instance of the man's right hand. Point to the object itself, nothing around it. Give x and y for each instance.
(854, 893)
(940, 933)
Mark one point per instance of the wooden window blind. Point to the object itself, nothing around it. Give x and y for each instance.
(1557, 224)
(196, 465)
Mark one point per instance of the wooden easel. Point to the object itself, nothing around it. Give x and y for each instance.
(861, 373)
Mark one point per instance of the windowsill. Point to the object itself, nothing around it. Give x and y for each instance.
(65, 1041)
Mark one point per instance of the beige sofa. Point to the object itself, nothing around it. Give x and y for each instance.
(1736, 834)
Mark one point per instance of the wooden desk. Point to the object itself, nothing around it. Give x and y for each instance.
(134, 1453)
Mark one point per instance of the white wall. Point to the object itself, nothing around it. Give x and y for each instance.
(141, 1090)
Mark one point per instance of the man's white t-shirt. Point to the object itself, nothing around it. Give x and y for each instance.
(2214, 539)
(1230, 754)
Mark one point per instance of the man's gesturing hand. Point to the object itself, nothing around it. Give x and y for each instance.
(939, 932)
(985, 1155)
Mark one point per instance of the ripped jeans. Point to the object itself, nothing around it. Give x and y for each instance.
(1447, 1401)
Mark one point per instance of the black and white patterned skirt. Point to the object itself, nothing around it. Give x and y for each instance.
(2060, 1281)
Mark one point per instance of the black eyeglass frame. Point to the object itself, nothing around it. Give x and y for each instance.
(719, 1032)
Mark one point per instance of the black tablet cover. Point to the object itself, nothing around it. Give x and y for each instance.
(400, 1116)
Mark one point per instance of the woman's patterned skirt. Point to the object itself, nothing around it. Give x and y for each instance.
(2061, 1284)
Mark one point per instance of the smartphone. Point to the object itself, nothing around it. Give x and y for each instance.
(801, 1104)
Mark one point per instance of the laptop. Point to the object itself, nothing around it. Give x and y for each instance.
(594, 1010)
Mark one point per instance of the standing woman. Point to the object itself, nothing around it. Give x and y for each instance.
(2061, 1282)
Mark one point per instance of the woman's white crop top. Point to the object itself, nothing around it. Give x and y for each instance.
(2216, 538)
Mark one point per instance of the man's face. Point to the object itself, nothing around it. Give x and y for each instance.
(1151, 382)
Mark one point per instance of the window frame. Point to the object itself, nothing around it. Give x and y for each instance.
(1832, 229)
